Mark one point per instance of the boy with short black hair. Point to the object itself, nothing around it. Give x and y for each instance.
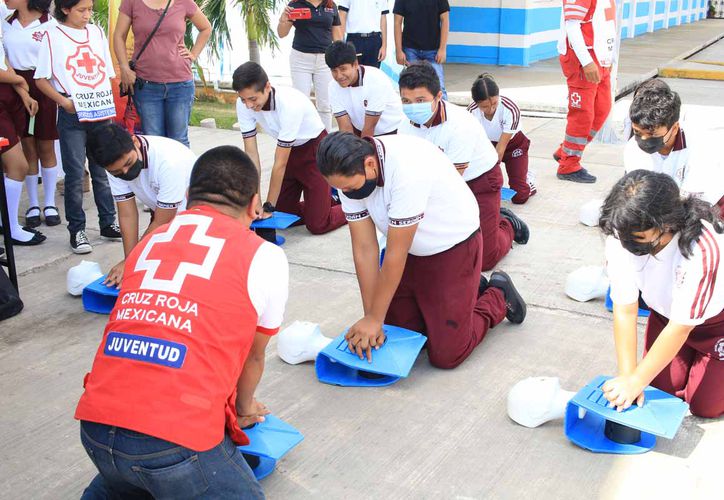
(694, 160)
(154, 169)
(288, 116)
(363, 98)
(461, 137)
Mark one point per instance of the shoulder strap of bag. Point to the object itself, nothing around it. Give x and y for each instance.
(153, 32)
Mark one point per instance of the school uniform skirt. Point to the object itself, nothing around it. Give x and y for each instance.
(13, 118)
(47, 116)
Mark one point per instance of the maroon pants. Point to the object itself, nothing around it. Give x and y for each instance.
(496, 230)
(438, 297)
(696, 374)
(303, 176)
(515, 159)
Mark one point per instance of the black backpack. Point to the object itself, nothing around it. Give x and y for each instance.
(10, 303)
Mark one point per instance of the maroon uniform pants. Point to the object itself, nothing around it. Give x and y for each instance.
(588, 107)
(438, 297)
(496, 230)
(515, 159)
(303, 177)
(696, 374)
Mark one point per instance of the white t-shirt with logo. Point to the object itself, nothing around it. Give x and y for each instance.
(460, 136)
(696, 163)
(164, 179)
(288, 116)
(22, 44)
(686, 291)
(374, 95)
(420, 186)
(506, 119)
(363, 16)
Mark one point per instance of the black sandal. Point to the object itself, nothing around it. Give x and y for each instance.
(52, 219)
(33, 221)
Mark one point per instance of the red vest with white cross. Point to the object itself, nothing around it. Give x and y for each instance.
(177, 339)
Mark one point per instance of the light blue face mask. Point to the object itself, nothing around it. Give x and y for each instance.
(418, 112)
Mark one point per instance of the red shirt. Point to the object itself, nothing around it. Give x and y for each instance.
(179, 335)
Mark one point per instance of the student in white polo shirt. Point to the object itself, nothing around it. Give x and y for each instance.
(23, 36)
(364, 100)
(365, 24)
(156, 170)
(694, 160)
(500, 117)
(289, 117)
(462, 138)
(668, 248)
(430, 280)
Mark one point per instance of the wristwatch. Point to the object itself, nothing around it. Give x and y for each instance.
(268, 207)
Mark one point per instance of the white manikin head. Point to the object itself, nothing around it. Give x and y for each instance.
(536, 400)
(591, 212)
(301, 341)
(587, 283)
(81, 276)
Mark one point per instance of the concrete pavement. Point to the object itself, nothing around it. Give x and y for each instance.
(437, 434)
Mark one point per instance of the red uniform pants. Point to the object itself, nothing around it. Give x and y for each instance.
(303, 176)
(438, 296)
(496, 230)
(588, 107)
(696, 374)
(515, 159)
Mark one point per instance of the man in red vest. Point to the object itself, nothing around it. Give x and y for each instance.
(173, 380)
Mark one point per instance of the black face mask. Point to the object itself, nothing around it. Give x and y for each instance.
(652, 144)
(132, 172)
(639, 248)
(363, 192)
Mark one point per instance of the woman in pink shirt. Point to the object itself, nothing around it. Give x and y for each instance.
(162, 83)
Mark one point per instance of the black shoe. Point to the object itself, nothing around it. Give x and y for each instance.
(79, 242)
(514, 303)
(483, 285)
(521, 233)
(557, 157)
(37, 239)
(111, 232)
(33, 220)
(582, 176)
(2, 251)
(52, 219)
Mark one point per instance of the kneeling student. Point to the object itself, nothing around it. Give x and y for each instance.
(154, 169)
(173, 380)
(453, 130)
(289, 117)
(430, 280)
(668, 248)
(695, 161)
(364, 101)
(500, 117)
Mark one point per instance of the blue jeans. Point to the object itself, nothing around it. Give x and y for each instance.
(72, 134)
(135, 465)
(368, 46)
(413, 55)
(165, 108)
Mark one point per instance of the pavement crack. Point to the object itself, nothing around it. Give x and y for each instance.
(322, 268)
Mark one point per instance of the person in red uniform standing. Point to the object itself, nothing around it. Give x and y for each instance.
(174, 377)
(587, 50)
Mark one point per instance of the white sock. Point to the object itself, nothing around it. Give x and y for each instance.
(50, 179)
(31, 186)
(13, 190)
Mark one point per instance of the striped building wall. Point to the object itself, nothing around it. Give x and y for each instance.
(519, 32)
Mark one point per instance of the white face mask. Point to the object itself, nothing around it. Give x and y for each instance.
(81, 276)
(301, 341)
(587, 283)
(536, 400)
